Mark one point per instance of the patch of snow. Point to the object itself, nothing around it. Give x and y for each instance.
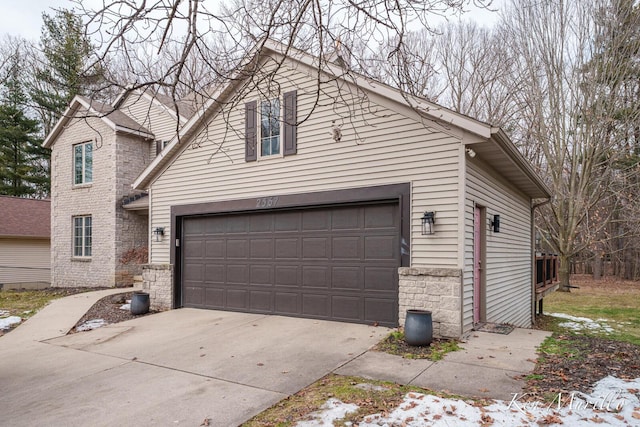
(614, 402)
(332, 410)
(583, 323)
(126, 307)
(91, 324)
(8, 322)
(4, 313)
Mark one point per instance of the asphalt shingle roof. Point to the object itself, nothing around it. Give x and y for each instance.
(24, 217)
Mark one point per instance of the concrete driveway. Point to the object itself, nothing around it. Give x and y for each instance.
(173, 368)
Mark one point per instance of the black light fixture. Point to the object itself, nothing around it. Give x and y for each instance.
(428, 220)
(495, 223)
(158, 232)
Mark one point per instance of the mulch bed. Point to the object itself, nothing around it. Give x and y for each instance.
(108, 309)
(582, 362)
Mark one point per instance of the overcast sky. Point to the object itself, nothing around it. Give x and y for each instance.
(24, 17)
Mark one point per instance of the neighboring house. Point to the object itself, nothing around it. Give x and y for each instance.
(313, 195)
(98, 224)
(24, 241)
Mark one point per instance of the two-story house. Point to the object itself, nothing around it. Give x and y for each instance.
(99, 226)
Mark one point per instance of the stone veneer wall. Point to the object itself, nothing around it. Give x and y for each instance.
(157, 280)
(434, 289)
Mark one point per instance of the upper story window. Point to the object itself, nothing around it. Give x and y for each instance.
(82, 236)
(270, 127)
(83, 163)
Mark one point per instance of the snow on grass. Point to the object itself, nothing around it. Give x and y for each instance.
(583, 323)
(332, 410)
(4, 313)
(613, 402)
(8, 322)
(91, 324)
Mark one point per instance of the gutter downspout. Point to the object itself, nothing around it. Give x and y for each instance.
(533, 257)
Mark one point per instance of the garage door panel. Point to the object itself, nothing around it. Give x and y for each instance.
(194, 272)
(261, 275)
(288, 221)
(237, 249)
(214, 297)
(194, 226)
(346, 248)
(346, 219)
(261, 248)
(335, 263)
(380, 247)
(237, 299)
(315, 305)
(380, 216)
(287, 248)
(316, 220)
(380, 278)
(315, 248)
(260, 301)
(215, 274)
(287, 275)
(194, 247)
(287, 303)
(262, 223)
(348, 308)
(237, 274)
(237, 224)
(214, 225)
(215, 249)
(346, 278)
(194, 295)
(380, 310)
(315, 277)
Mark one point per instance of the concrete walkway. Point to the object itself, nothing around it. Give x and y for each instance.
(489, 366)
(184, 366)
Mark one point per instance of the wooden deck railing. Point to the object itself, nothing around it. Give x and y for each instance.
(546, 277)
(546, 269)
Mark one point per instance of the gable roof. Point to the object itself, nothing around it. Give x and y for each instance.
(115, 119)
(444, 119)
(21, 217)
(185, 106)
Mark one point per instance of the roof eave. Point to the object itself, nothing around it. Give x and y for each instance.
(503, 141)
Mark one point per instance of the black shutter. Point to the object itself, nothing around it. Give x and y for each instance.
(158, 147)
(250, 131)
(290, 131)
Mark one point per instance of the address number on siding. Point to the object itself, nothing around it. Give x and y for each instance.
(266, 202)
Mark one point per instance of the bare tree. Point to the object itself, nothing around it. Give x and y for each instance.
(177, 38)
(570, 115)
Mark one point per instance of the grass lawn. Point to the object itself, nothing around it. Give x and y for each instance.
(613, 303)
(26, 303)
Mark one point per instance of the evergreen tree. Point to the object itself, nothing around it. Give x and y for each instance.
(23, 162)
(64, 72)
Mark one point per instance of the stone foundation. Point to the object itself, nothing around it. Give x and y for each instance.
(437, 290)
(157, 279)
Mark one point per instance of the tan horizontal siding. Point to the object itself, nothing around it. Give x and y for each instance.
(508, 253)
(378, 147)
(155, 118)
(25, 260)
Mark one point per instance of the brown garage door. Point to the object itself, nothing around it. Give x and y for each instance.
(338, 263)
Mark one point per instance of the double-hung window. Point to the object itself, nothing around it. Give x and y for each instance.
(82, 236)
(270, 127)
(83, 163)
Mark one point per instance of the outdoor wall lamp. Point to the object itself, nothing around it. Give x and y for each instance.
(470, 152)
(428, 220)
(495, 223)
(158, 232)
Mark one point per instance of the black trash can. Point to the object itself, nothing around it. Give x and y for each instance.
(140, 303)
(418, 328)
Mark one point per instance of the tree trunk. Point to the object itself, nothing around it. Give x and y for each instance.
(564, 273)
